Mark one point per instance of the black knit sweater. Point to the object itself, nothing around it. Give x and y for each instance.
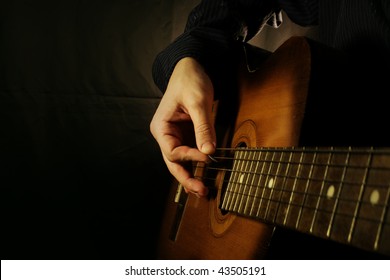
(214, 27)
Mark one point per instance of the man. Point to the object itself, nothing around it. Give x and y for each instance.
(190, 70)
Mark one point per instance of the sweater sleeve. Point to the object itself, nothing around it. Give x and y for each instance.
(211, 34)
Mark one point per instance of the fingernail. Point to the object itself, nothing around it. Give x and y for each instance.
(208, 148)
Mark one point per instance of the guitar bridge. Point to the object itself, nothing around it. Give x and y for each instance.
(180, 199)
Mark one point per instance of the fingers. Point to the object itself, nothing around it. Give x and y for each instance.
(185, 178)
(199, 104)
(177, 155)
(187, 103)
(204, 131)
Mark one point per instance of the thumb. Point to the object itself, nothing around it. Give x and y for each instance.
(204, 132)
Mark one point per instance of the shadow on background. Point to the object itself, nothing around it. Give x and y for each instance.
(80, 175)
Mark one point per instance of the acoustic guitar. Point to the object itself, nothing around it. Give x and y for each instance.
(263, 178)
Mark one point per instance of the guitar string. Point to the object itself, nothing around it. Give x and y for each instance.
(273, 214)
(291, 193)
(301, 163)
(298, 150)
(330, 149)
(319, 164)
(320, 196)
(352, 184)
(302, 178)
(224, 158)
(305, 206)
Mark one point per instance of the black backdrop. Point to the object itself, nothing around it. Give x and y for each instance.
(80, 175)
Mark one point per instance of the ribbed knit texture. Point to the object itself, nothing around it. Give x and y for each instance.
(360, 27)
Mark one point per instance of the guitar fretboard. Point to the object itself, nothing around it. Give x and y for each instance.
(340, 194)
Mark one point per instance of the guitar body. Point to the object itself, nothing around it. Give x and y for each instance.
(271, 109)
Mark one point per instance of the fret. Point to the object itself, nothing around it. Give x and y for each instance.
(374, 203)
(368, 222)
(245, 177)
(340, 162)
(322, 211)
(244, 190)
(341, 194)
(348, 196)
(382, 162)
(253, 182)
(314, 191)
(303, 185)
(296, 197)
(285, 191)
(265, 184)
(332, 186)
(382, 241)
(305, 216)
(358, 202)
(277, 190)
(242, 175)
(258, 196)
(233, 180)
(273, 201)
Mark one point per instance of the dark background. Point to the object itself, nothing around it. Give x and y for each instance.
(80, 175)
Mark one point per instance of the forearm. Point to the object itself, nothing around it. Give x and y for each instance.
(210, 33)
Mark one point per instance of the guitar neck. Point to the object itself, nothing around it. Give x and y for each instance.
(340, 194)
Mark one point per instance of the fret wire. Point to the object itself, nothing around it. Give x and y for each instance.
(225, 202)
(382, 221)
(268, 183)
(341, 184)
(301, 178)
(267, 200)
(265, 183)
(238, 184)
(293, 188)
(305, 192)
(246, 183)
(308, 194)
(251, 185)
(311, 150)
(274, 184)
(264, 186)
(338, 196)
(323, 210)
(318, 200)
(327, 166)
(320, 210)
(373, 220)
(262, 170)
(384, 168)
(315, 149)
(292, 177)
(281, 192)
(359, 200)
(241, 177)
(283, 185)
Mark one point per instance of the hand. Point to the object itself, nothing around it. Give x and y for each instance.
(182, 124)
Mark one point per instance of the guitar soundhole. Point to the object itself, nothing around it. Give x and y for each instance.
(220, 219)
(219, 172)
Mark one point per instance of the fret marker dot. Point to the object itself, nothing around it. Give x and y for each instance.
(374, 198)
(241, 178)
(330, 192)
(271, 183)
